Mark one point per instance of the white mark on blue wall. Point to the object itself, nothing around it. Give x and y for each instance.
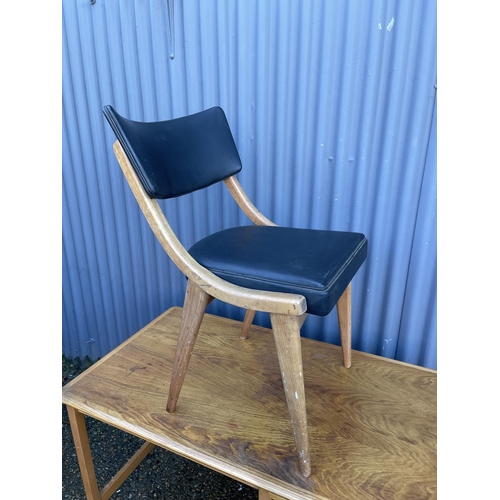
(171, 34)
(379, 26)
(386, 342)
(390, 25)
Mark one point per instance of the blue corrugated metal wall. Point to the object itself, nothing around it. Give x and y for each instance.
(332, 106)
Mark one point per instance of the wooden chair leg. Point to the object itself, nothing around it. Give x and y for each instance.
(344, 315)
(247, 323)
(286, 331)
(81, 439)
(195, 304)
(250, 316)
(266, 495)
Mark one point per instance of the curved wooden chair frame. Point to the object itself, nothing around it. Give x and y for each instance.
(287, 311)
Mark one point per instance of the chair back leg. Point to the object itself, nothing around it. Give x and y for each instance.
(286, 330)
(195, 304)
(247, 323)
(344, 316)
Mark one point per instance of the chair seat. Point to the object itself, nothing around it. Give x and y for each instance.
(314, 263)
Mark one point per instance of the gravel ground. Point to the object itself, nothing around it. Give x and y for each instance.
(161, 475)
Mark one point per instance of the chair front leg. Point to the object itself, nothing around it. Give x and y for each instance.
(286, 330)
(344, 316)
(195, 304)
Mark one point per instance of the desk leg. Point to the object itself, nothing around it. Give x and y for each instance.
(81, 439)
(82, 445)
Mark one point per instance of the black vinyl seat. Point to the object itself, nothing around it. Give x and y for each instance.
(316, 264)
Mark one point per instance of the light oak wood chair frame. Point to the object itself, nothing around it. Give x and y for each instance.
(287, 311)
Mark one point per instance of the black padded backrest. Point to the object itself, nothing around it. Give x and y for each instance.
(178, 156)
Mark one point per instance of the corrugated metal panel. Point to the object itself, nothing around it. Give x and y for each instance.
(418, 332)
(331, 106)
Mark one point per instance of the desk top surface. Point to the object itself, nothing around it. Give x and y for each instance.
(372, 427)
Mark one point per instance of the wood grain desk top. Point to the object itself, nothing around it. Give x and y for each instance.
(372, 427)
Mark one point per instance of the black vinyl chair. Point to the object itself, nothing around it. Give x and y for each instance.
(284, 271)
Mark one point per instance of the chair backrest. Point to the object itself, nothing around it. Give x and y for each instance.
(151, 154)
(179, 156)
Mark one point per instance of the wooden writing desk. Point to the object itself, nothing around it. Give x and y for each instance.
(372, 427)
